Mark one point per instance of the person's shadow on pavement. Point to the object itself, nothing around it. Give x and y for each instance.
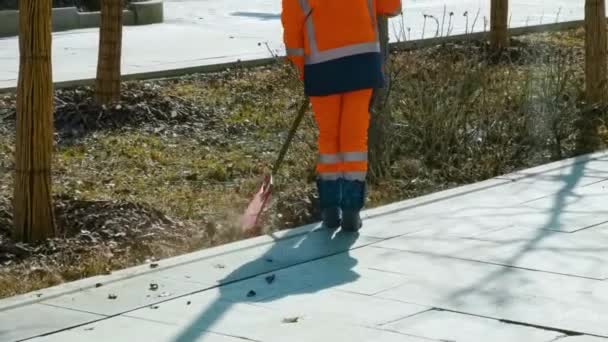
(290, 252)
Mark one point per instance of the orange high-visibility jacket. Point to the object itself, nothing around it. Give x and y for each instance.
(335, 43)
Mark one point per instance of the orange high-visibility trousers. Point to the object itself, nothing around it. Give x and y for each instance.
(343, 122)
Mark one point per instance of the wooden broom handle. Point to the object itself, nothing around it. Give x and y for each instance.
(292, 133)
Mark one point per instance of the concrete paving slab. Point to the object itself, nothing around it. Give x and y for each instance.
(549, 179)
(590, 167)
(234, 266)
(282, 296)
(207, 307)
(490, 207)
(567, 211)
(349, 308)
(576, 304)
(306, 280)
(313, 330)
(125, 329)
(582, 254)
(286, 282)
(584, 338)
(439, 220)
(423, 267)
(129, 295)
(256, 323)
(345, 272)
(275, 284)
(443, 243)
(207, 313)
(340, 272)
(414, 215)
(456, 327)
(34, 320)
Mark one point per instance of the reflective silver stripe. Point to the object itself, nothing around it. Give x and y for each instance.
(317, 56)
(330, 158)
(306, 10)
(345, 51)
(310, 30)
(355, 176)
(331, 175)
(310, 34)
(295, 52)
(354, 156)
(372, 15)
(304, 6)
(343, 157)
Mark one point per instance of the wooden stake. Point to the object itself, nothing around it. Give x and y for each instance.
(596, 51)
(499, 21)
(110, 45)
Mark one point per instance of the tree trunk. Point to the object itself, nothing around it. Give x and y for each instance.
(499, 20)
(381, 121)
(110, 44)
(32, 198)
(596, 72)
(596, 51)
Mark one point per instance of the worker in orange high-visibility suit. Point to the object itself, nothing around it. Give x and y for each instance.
(335, 45)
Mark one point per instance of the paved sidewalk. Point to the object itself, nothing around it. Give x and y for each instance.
(522, 257)
(204, 32)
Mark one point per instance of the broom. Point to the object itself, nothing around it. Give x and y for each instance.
(251, 217)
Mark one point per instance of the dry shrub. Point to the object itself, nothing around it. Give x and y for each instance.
(470, 115)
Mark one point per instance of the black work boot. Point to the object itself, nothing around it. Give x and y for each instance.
(353, 199)
(329, 199)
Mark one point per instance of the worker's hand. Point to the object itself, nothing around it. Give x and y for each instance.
(298, 64)
(299, 70)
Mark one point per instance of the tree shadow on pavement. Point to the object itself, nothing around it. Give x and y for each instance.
(502, 276)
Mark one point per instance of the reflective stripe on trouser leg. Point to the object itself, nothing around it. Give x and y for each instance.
(330, 158)
(355, 175)
(353, 134)
(355, 165)
(331, 175)
(329, 166)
